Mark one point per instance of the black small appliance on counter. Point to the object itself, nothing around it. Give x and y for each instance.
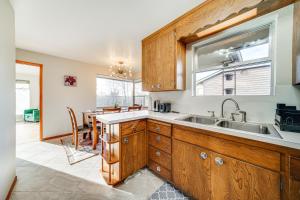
(156, 106)
(287, 118)
(164, 107)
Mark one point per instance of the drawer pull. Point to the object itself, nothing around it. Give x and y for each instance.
(219, 161)
(203, 155)
(158, 168)
(125, 140)
(157, 129)
(158, 138)
(157, 153)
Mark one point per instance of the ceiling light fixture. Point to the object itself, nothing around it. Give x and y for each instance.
(121, 71)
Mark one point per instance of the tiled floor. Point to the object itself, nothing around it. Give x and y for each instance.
(44, 173)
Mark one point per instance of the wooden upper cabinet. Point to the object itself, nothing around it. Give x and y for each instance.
(160, 71)
(148, 64)
(234, 179)
(296, 44)
(191, 169)
(164, 52)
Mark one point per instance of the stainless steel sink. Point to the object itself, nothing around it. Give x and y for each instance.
(200, 120)
(266, 129)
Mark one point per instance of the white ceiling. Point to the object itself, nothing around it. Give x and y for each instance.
(99, 32)
(27, 69)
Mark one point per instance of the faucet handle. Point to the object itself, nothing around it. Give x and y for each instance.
(212, 113)
(232, 117)
(244, 115)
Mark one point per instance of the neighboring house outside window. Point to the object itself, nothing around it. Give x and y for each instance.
(238, 64)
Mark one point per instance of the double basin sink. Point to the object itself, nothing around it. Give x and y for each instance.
(265, 129)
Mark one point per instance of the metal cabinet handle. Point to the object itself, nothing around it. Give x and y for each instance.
(158, 85)
(158, 168)
(219, 161)
(157, 153)
(157, 129)
(158, 138)
(203, 155)
(152, 86)
(125, 140)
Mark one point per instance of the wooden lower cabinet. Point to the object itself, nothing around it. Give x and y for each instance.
(203, 174)
(234, 179)
(191, 172)
(294, 178)
(134, 153)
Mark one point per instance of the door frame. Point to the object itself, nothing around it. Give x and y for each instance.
(40, 66)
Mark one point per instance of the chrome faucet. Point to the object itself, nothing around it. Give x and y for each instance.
(229, 99)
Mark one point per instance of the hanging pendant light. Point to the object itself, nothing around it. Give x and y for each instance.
(121, 71)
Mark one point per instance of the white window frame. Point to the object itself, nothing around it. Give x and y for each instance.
(270, 21)
(113, 78)
(118, 79)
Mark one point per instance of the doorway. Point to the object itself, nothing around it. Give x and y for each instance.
(29, 101)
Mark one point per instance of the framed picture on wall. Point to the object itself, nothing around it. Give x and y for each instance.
(70, 81)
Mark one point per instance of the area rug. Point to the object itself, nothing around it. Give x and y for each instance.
(168, 192)
(83, 152)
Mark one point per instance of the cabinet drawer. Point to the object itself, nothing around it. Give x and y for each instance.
(160, 170)
(133, 127)
(161, 142)
(251, 154)
(159, 127)
(160, 157)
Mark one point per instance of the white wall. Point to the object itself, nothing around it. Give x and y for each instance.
(7, 98)
(56, 96)
(259, 108)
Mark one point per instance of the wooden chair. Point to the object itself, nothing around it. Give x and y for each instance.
(134, 108)
(77, 130)
(111, 110)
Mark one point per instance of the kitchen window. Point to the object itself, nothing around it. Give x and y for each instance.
(236, 62)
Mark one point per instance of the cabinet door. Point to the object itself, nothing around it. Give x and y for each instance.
(165, 61)
(159, 68)
(191, 169)
(140, 159)
(127, 155)
(234, 179)
(149, 65)
(134, 153)
(294, 178)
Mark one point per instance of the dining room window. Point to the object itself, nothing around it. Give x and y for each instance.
(114, 92)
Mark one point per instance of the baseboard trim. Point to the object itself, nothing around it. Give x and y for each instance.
(11, 188)
(56, 136)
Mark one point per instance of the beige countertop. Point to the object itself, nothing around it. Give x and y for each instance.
(289, 139)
